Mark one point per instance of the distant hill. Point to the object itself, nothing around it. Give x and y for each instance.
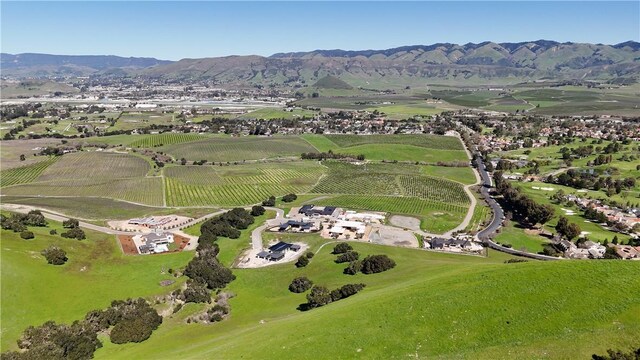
(46, 64)
(483, 63)
(332, 82)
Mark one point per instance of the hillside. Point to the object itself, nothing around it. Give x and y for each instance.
(469, 64)
(46, 64)
(331, 82)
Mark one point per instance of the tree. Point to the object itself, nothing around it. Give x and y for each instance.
(573, 230)
(183, 161)
(70, 223)
(562, 225)
(341, 248)
(377, 263)
(319, 296)
(353, 268)
(22, 157)
(289, 198)
(208, 271)
(257, 210)
(302, 261)
(300, 284)
(271, 201)
(74, 233)
(55, 255)
(349, 256)
(26, 234)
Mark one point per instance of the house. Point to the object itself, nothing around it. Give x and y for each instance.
(155, 242)
(297, 226)
(627, 252)
(315, 211)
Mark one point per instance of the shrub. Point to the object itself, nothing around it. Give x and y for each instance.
(377, 263)
(54, 341)
(341, 248)
(55, 255)
(353, 268)
(349, 256)
(26, 234)
(289, 198)
(74, 233)
(53, 232)
(346, 291)
(302, 261)
(134, 320)
(300, 284)
(177, 308)
(257, 210)
(309, 254)
(71, 223)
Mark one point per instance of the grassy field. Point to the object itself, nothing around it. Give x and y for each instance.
(519, 240)
(431, 305)
(118, 176)
(239, 149)
(238, 184)
(97, 273)
(273, 113)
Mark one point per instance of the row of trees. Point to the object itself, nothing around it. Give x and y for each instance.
(320, 295)
(525, 209)
(329, 155)
(19, 222)
(372, 264)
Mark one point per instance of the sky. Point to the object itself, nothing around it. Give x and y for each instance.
(175, 30)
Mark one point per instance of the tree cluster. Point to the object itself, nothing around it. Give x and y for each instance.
(257, 210)
(566, 229)
(329, 155)
(320, 295)
(133, 320)
(341, 248)
(196, 293)
(525, 209)
(207, 270)
(595, 181)
(289, 198)
(55, 255)
(618, 355)
(228, 225)
(19, 222)
(300, 284)
(349, 256)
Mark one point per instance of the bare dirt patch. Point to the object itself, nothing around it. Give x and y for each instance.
(128, 246)
(405, 222)
(388, 235)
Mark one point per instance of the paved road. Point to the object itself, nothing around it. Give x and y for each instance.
(256, 234)
(60, 217)
(498, 213)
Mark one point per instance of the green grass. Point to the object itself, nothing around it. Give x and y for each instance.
(272, 113)
(426, 141)
(239, 184)
(97, 273)
(519, 240)
(460, 174)
(431, 305)
(239, 149)
(24, 174)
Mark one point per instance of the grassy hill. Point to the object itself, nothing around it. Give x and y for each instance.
(431, 305)
(332, 82)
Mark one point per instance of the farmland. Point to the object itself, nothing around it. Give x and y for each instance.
(24, 174)
(118, 176)
(388, 179)
(424, 148)
(237, 185)
(239, 149)
(165, 139)
(387, 321)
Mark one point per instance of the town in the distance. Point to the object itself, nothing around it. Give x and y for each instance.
(475, 201)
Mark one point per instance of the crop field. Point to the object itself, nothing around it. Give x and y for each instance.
(506, 307)
(383, 179)
(165, 139)
(239, 149)
(275, 113)
(118, 176)
(237, 185)
(435, 216)
(426, 141)
(97, 273)
(10, 151)
(24, 174)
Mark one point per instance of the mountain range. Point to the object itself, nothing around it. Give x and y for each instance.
(486, 62)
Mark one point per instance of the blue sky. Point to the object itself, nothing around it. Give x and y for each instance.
(175, 30)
